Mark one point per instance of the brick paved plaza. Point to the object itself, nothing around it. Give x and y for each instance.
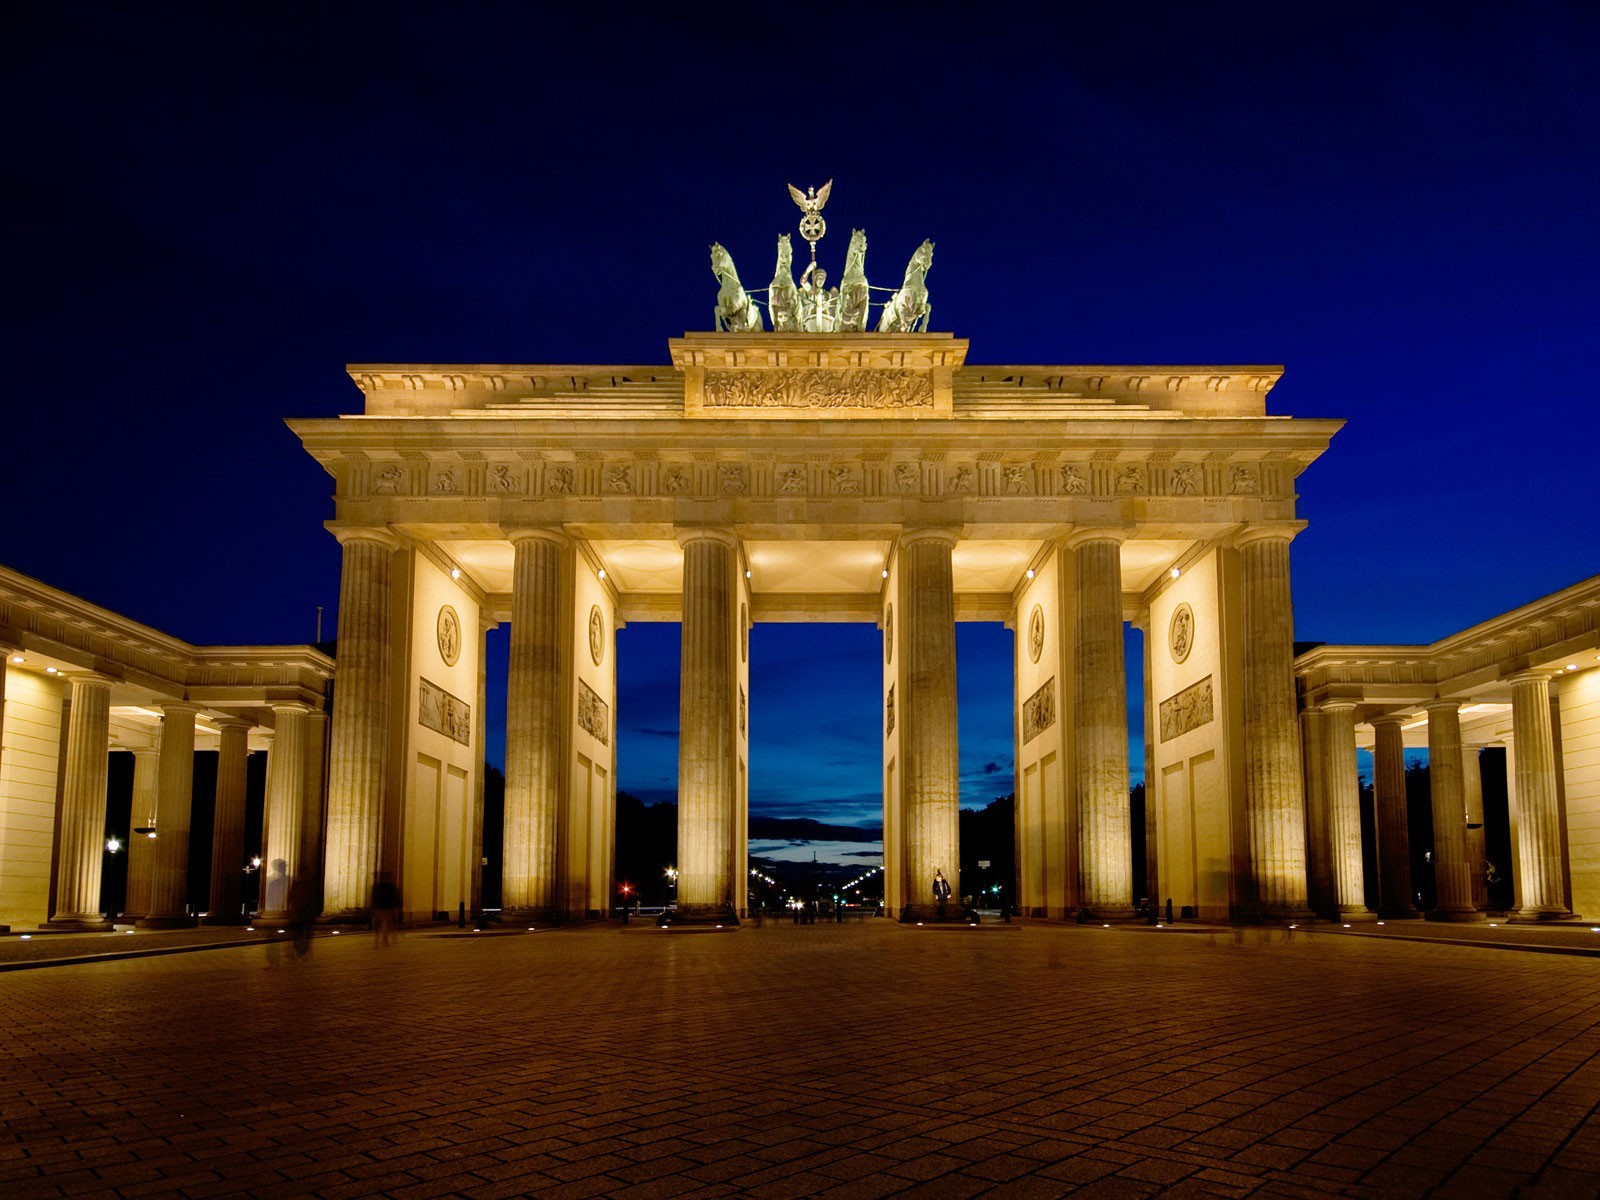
(863, 1060)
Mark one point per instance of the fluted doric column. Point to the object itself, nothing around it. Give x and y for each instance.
(169, 880)
(1274, 779)
(930, 771)
(141, 847)
(1452, 879)
(1320, 887)
(1394, 828)
(1543, 876)
(225, 900)
(1344, 810)
(1100, 726)
(1472, 789)
(536, 719)
(285, 812)
(358, 769)
(314, 813)
(708, 773)
(480, 727)
(83, 806)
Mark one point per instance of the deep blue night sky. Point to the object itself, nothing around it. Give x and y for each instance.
(211, 208)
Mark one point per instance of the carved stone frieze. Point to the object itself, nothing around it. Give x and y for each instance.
(594, 714)
(619, 479)
(963, 481)
(1131, 480)
(1073, 481)
(674, 481)
(558, 481)
(1018, 480)
(889, 713)
(792, 481)
(1184, 480)
(443, 713)
(819, 389)
(504, 480)
(444, 482)
(387, 481)
(1186, 711)
(732, 480)
(1039, 711)
(845, 480)
(1243, 481)
(906, 477)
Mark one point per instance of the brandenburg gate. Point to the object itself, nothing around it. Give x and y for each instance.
(824, 470)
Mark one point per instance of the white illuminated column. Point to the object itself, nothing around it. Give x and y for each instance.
(82, 839)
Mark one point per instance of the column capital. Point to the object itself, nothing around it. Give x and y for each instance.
(243, 724)
(684, 534)
(1333, 706)
(376, 535)
(1532, 675)
(1267, 531)
(86, 678)
(290, 707)
(516, 534)
(1395, 719)
(179, 708)
(1442, 705)
(929, 533)
(1084, 534)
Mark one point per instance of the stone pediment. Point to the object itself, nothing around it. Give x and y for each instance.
(860, 375)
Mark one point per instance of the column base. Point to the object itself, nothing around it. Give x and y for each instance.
(346, 916)
(1536, 916)
(932, 914)
(1354, 915)
(174, 921)
(1456, 914)
(702, 915)
(82, 923)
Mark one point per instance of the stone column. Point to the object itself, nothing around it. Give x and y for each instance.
(1274, 780)
(1394, 832)
(708, 770)
(1100, 726)
(1543, 890)
(1472, 788)
(358, 769)
(169, 882)
(930, 770)
(82, 841)
(1320, 887)
(1514, 867)
(480, 727)
(314, 813)
(141, 848)
(285, 812)
(225, 902)
(536, 720)
(1344, 810)
(1451, 876)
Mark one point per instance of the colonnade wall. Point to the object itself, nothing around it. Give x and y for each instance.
(1195, 783)
(428, 823)
(1578, 706)
(1046, 813)
(30, 774)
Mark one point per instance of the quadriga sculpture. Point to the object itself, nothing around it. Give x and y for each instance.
(908, 310)
(782, 301)
(735, 311)
(853, 291)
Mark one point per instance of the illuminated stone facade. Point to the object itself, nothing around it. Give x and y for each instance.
(79, 683)
(826, 477)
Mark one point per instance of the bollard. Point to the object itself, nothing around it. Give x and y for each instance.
(461, 915)
(1169, 910)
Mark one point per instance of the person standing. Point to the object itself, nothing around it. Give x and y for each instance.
(941, 891)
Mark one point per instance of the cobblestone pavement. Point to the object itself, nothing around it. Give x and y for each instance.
(857, 1060)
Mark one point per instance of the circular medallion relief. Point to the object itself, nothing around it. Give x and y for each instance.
(744, 634)
(597, 635)
(1036, 634)
(888, 634)
(448, 628)
(1180, 633)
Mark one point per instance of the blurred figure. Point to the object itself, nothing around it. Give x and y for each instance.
(385, 909)
(302, 913)
(275, 898)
